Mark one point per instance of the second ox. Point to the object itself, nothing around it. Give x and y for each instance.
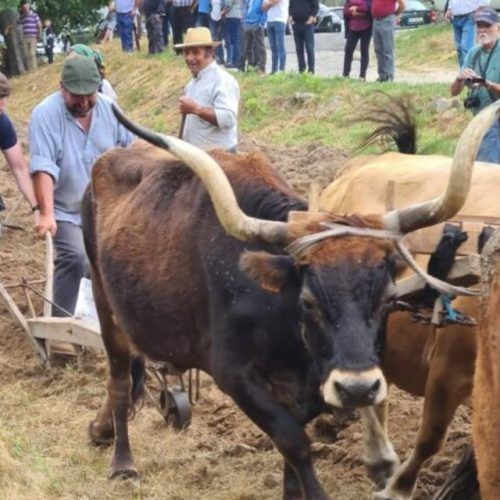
(193, 262)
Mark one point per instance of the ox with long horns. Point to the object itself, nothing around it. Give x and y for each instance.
(203, 271)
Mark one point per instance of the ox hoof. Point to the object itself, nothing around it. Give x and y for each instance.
(389, 495)
(129, 473)
(99, 435)
(380, 472)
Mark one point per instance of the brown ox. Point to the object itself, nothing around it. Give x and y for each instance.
(486, 393)
(435, 363)
(286, 317)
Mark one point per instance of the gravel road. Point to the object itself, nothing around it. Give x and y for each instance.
(329, 49)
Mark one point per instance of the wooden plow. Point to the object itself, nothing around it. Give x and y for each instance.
(71, 335)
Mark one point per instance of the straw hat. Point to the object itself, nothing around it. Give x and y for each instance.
(197, 37)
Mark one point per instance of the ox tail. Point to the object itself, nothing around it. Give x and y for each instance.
(462, 482)
(138, 374)
(395, 120)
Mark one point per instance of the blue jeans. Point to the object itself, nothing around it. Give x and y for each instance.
(231, 27)
(125, 23)
(383, 43)
(464, 32)
(276, 35)
(489, 149)
(303, 36)
(216, 32)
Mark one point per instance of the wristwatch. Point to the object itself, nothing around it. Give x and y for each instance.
(34, 208)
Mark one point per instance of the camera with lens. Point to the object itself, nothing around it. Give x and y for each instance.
(471, 101)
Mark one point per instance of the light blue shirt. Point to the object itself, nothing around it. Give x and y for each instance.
(124, 6)
(213, 87)
(60, 147)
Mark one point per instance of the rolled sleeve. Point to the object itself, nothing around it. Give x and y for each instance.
(44, 148)
(226, 106)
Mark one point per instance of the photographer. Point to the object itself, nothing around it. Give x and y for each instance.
(481, 74)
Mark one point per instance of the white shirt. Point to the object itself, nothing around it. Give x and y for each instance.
(278, 12)
(215, 88)
(462, 7)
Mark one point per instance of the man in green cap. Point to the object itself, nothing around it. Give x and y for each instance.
(68, 130)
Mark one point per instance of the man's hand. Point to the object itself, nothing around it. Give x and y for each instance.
(447, 15)
(188, 106)
(46, 223)
(353, 10)
(467, 74)
(311, 20)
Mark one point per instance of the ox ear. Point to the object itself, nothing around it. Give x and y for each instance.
(271, 272)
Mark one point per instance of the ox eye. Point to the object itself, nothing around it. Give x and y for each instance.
(307, 304)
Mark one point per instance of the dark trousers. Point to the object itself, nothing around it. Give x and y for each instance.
(49, 52)
(352, 38)
(182, 19)
(70, 266)
(202, 20)
(255, 50)
(154, 28)
(167, 22)
(303, 36)
(231, 29)
(125, 23)
(216, 33)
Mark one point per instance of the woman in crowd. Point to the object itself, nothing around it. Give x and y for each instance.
(359, 27)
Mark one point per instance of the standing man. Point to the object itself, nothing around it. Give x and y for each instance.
(303, 17)
(254, 21)
(461, 15)
(68, 130)
(154, 10)
(126, 10)
(384, 14)
(32, 28)
(11, 150)
(182, 20)
(481, 74)
(211, 98)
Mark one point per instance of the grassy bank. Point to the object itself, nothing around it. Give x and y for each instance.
(149, 87)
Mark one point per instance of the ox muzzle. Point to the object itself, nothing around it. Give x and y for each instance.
(350, 389)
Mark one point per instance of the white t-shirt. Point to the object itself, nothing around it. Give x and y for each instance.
(278, 12)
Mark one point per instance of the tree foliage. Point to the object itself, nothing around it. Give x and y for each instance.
(64, 14)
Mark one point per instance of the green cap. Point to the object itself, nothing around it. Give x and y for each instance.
(80, 75)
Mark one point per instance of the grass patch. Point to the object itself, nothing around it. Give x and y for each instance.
(428, 46)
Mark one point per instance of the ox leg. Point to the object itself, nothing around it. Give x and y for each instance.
(440, 404)
(249, 392)
(379, 456)
(291, 484)
(112, 419)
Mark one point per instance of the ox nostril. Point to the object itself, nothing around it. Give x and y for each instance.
(357, 393)
(374, 388)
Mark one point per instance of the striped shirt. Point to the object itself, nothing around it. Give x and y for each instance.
(462, 7)
(182, 3)
(31, 23)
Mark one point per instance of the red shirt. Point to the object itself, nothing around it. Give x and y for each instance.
(383, 8)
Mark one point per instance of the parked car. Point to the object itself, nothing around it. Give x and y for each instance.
(416, 14)
(327, 20)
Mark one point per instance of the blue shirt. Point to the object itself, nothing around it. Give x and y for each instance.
(60, 147)
(8, 138)
(124, 6)
(253, 14)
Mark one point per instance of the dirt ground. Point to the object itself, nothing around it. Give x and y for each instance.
(44, 452)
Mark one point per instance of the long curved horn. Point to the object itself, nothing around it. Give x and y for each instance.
(451, 201)
(232, 219)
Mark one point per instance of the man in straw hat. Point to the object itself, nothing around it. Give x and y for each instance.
(211, 98)
(68, 130)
